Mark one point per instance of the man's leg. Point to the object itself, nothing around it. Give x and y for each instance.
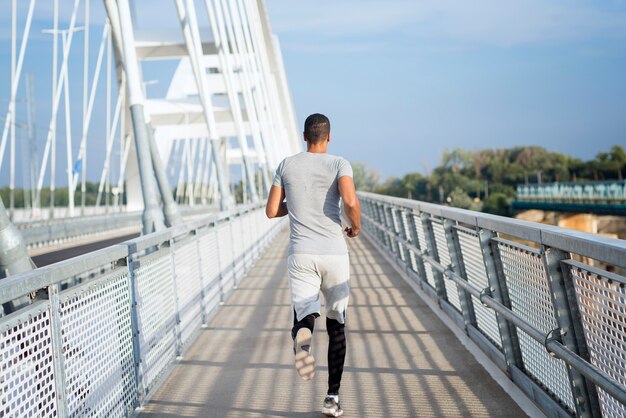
(336, 354)
(305, 286)
(335, 272)
(306, 322)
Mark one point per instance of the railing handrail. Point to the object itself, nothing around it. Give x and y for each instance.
(609, 250)
(573, 183)
(554, 303)
(19, 285)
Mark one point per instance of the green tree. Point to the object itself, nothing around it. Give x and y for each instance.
(365, 179)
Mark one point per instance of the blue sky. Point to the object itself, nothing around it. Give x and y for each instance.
(402, 80)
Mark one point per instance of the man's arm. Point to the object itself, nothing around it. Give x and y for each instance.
(351, 205)
(276, 206)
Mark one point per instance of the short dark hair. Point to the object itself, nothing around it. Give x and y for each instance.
(316, 128)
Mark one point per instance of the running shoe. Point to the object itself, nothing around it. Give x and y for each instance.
(331, 407)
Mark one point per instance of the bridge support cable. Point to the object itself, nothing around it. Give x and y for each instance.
(153, 219)
(195, 52)
(16, 70)
(224, 57)
(559, 320)
(267, 107)
(258, 120)
(109, 148)
(278, 93)
(88, 110)
(233, 98)
(50, 147)
(254, 85)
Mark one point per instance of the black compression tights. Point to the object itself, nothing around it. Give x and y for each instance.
(336, 347)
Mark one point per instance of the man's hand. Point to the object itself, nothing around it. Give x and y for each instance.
(352, 232)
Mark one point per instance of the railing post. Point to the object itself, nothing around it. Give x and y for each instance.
(136, 332)
(414, 239)
(201, 277)
(498, 289)
(399, 232)
(179, 339)
(379, 220)
(431, 245)
(572, 335)
(456, 256)
(232, 250)
(219, 264)
(57, 349)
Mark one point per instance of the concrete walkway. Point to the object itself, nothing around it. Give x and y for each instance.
(402, 360)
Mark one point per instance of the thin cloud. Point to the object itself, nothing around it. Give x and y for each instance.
(487, 22)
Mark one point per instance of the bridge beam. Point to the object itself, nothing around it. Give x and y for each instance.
(14, 258)
(152, 218)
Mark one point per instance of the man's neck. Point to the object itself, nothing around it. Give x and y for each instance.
(317, 148)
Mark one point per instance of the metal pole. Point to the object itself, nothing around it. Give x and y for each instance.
(152, 216)
(14, 258)
(68, 135)
(18, 70)
(55, 81)
(194, 52)
(86, 117)
(56, 97)
(13, 81)
(108, 124)
(82, 153)
(32, 144)
(170, 208)
(109, 147)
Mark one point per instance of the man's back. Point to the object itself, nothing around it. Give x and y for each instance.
(310, 181)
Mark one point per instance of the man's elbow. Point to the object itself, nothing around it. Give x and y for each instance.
(269, 212)
(351, 204)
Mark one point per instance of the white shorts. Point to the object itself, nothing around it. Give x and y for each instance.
(308, 274)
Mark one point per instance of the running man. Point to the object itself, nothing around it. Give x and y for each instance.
(312, 183)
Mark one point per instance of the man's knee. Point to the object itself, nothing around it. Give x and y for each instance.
(334, 327)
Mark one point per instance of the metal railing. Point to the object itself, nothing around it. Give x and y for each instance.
(544, 303)
(61, 230)
(589, 192)
(602, 198)
(105, 328)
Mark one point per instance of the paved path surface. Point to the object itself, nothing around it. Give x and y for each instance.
(402, 360)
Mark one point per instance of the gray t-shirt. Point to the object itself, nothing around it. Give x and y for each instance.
(311, 187)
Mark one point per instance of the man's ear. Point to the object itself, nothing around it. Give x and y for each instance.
(304, 136)
(328, 139)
